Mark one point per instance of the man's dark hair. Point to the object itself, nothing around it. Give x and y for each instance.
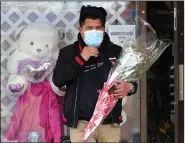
(92, 12)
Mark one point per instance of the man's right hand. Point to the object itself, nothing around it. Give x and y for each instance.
(88, 52)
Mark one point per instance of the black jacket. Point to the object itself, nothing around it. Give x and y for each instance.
(71, 70)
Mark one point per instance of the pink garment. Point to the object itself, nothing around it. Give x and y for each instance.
(39, 109)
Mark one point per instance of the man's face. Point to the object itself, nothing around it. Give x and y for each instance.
(91, 24)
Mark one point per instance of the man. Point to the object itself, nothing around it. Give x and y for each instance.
(83, 67)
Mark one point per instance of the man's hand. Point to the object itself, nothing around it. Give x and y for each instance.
(89, 52)
(122, 89)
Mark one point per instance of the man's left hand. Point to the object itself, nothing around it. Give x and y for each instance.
(122, 89)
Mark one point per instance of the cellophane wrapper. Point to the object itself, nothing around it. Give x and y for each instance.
(136, 57)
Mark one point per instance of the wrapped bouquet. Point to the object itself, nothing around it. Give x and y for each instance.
(136, 57)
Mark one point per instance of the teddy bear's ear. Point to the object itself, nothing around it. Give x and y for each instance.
(61, 33)
(18, 32)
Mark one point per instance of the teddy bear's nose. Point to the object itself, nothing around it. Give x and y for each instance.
(38, 50)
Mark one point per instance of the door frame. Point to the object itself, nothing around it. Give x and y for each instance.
(141, 11)
(179, 70)
(178, 53)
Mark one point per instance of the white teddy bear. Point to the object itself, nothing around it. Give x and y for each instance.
(38, 109)
(34, 58)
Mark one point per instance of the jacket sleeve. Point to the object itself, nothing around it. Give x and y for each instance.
(67, 67)
(135, 85)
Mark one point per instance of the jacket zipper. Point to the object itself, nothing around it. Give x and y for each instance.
(103, 67)
(105, 79)
(75, 103)
(112, 118)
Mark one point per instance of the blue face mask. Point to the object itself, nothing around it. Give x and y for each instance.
(93, 38)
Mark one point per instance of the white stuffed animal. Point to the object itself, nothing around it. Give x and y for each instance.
(31, 67)
(34, 58)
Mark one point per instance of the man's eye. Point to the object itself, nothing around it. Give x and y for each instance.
(89, 28)
(99, 27)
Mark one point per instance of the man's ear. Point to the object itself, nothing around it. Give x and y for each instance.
(81, 31)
